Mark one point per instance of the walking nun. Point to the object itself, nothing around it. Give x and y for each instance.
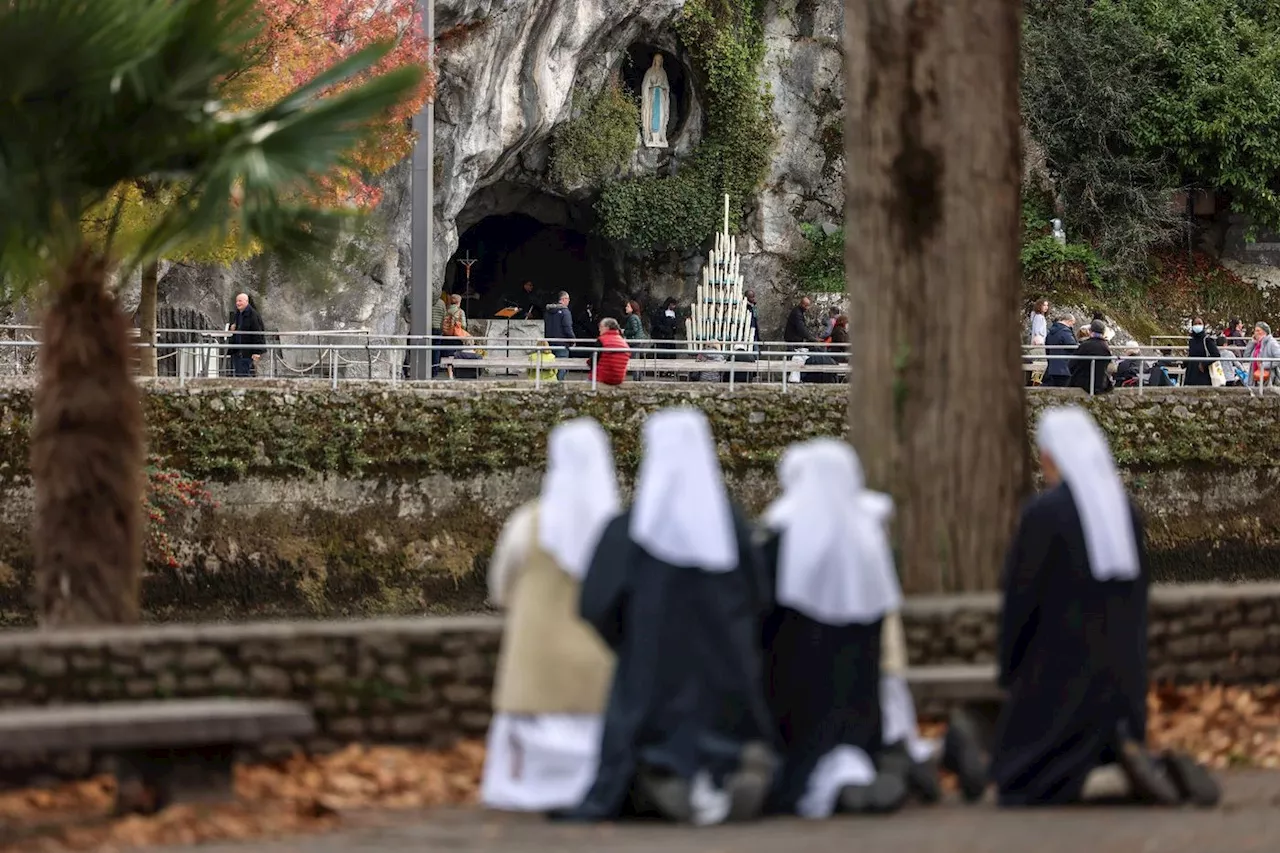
(553, 670)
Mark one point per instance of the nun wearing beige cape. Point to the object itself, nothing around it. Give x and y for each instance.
(553, 669)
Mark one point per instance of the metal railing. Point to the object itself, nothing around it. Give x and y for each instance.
(337, 355)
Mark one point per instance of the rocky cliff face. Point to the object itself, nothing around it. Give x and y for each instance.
(508, 70)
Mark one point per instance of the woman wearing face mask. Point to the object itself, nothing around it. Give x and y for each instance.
(1200, 345)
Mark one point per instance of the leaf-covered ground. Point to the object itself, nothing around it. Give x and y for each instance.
(1221, 726)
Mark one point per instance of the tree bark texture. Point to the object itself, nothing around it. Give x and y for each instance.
(87, 457)
(932, 164)
(147, 319)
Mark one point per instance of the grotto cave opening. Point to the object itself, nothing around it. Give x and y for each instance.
(545, 240)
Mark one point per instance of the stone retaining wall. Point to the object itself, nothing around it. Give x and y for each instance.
(381, 500)
(1198, 632)
(427, 681)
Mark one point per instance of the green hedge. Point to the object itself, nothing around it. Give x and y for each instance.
(283, 430)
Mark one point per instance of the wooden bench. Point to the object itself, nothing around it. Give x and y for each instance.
(164, 752)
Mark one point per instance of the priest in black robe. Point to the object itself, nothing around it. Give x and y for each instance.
(676, 588)
(834, 584)
(1073, 637)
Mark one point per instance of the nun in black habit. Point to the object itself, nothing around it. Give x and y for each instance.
(676, 588)
(834, 584)
(1073, 639)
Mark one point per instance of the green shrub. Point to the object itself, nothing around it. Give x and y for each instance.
(597, 142)
(1048, 266)
(821, 268)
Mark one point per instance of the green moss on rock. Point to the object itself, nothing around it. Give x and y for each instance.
(1192, 459)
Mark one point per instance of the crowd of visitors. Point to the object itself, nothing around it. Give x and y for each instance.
(1083, 358)
(671, 659)
(616, 340)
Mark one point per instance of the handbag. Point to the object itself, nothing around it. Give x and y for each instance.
(1217, 376)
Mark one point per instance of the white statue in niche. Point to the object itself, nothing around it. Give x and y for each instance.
(655, 105)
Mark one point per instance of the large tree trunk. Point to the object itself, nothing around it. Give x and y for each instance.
(932, 169)
(87, 457)
(147, 319)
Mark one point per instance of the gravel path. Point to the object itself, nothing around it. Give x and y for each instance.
(1248, 820)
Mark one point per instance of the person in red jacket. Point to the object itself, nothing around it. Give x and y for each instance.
(611, 365)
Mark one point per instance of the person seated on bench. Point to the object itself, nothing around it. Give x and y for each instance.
(835, 582)
(1072, 650)
(553, 670)
(676, 588)
(711, 354)
(543, 360)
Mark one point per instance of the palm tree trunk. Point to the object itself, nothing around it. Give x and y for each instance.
(147, 319)
(87, 457)
(932, 171)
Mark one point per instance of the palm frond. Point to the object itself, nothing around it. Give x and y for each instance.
(104, 92)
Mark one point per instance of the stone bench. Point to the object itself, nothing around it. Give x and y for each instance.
(938, 689)
(163, 752)
(643, 364)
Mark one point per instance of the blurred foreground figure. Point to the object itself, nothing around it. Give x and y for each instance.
(676, 589)
(1073, 645)
(835, 584)
(553, 671)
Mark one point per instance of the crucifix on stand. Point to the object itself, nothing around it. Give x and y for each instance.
(467, 292)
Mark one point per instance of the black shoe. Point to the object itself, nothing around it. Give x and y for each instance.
(921, 778)
(923, 781)
(1195, 783)
(749, 785)
(669, 795)
(1150, 784)
(894, 759)
(963, 757)
(886, 794)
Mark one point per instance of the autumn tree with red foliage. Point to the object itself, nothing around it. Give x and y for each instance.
(301, 38)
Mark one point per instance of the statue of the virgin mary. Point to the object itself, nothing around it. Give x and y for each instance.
(655, 105)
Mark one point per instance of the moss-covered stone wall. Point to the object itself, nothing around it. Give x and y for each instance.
(376, 499)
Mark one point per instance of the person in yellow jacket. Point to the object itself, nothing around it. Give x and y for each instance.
(540, 358)
(554, 670)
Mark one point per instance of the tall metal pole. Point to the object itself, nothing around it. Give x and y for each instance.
(422, 218)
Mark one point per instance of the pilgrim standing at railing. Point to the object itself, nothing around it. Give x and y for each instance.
(1199, 345)
(248, 342)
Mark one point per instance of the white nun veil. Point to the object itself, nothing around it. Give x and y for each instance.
(681, 513)
(1079, 450)
(834, 560)
(579, 494)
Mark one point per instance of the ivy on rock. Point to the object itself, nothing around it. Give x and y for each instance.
(681, 210)
(598, 141)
